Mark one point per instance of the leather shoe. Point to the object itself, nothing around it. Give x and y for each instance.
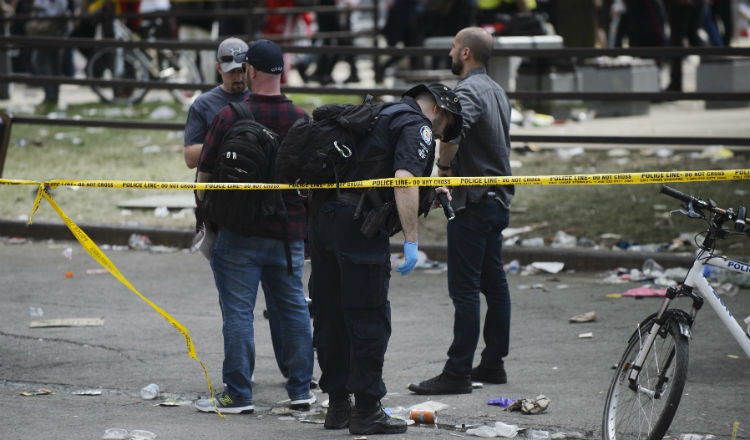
(339, 413)
(373, 420)
(443, 384)
(485, 374)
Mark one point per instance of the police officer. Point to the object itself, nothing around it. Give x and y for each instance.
(350, 255)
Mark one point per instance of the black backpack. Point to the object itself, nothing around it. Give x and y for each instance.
(246, 155)
(321, 149)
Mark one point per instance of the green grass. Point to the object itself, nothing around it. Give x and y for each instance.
(636, 212)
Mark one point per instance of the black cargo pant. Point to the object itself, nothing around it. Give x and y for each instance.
(349, 292)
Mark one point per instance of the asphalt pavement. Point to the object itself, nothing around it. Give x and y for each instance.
(136, 346)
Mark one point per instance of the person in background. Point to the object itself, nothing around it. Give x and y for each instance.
(207, 105)
(240, 263)
(475, 235)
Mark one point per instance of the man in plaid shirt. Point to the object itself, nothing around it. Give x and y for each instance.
(240, 262)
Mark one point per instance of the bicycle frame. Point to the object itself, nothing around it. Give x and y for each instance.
(696, 280)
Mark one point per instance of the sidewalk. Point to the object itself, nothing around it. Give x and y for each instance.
(135, 346)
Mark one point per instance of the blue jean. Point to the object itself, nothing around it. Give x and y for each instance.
(475, 241)
(239, 263)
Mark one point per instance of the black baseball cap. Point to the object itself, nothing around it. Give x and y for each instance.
(445, 99)
(265, 56)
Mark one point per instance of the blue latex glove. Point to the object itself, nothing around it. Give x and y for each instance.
(410, 258)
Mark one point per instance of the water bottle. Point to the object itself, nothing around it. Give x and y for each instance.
(150, 391)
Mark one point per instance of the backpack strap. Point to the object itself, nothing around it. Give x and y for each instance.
(242, 111)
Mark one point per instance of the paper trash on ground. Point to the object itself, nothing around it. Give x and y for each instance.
(67, 322)
(548, 266)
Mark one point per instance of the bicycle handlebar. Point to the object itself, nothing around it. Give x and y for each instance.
(701, 204)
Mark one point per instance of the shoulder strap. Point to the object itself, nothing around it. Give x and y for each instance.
(242, 110)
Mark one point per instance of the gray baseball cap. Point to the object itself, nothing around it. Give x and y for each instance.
(228, 50)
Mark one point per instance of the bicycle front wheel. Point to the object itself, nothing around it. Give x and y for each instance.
(644, 408)
(116, 63)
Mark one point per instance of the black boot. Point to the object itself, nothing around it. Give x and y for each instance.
(339, 413)
(443, 383)
(483, 373)
(371, 419)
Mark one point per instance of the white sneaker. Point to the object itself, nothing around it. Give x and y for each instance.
(303, 404)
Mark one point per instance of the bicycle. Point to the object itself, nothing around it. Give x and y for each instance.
(116, 63)
(646, 389)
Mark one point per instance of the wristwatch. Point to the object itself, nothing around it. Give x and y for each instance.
(442, 167)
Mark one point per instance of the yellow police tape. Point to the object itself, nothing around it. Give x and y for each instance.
(564, 179)
(100, 257)
(572, 179)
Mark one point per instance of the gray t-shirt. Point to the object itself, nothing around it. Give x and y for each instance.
(484, 142)
(203, 110)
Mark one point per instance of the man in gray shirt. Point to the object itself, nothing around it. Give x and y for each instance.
(475, 235)
(207, 105)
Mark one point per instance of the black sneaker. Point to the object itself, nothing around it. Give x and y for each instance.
(339, 413)
(442, 384)
(373, 420)
(486, 374)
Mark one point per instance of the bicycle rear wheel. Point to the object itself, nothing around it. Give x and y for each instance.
(647, 412)
(180, 68)
(116, 63)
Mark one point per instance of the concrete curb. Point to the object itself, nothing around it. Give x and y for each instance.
(574, 258)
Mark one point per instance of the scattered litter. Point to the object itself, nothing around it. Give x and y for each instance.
(138, 434)
(422, 416)
(501, 401)
(537, 434)
(567, 435)
(733, 356)
(116, 434)
(140, 242)
(36, 312)
(548, 266)
(483, 431)
(364, 437)
(162, 112)
(477, 385)
(715, 152)
(174, 402)
(696, 437)
(513, 267)
(161, 212)
(39, 392)
(530, 406)
(162, 249)
(68, 322)
(17, 240)
(505, 430)
(533, 242)
(68, 253)
(430, 405)
(69, 274)
(88, 392)
(150, 391)
(564, 240)
(569, 153)
(584, 317)
(282, 411)
(509, 232)
(149, 149)
(587, 335)
(99, 271)
(645, 292)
